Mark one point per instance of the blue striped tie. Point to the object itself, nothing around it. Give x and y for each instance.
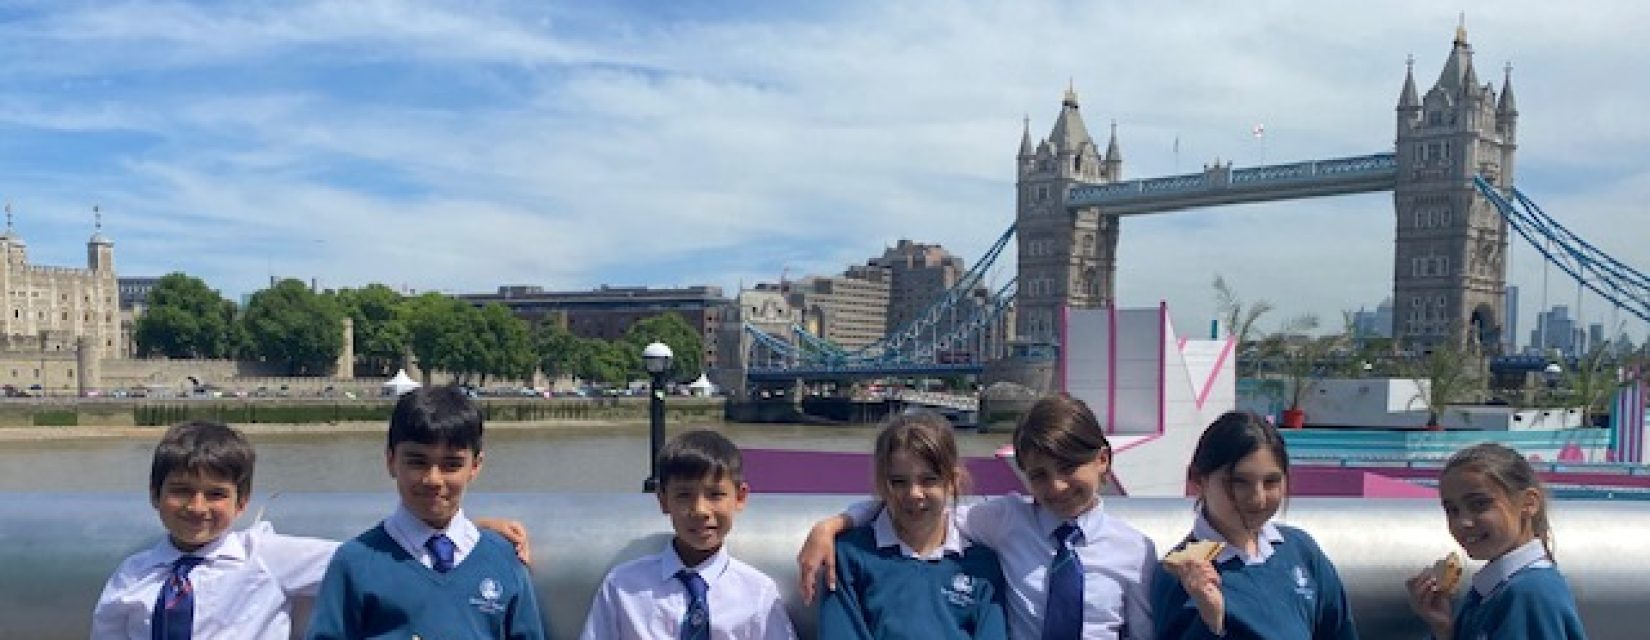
(696, 622)
(1063, 617)
(174, 617)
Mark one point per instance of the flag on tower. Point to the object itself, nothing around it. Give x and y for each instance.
(1259, 130)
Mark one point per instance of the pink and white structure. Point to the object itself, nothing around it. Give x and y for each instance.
(1153, 390)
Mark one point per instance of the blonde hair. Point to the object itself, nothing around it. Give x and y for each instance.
(1513, 474)
(929, 437)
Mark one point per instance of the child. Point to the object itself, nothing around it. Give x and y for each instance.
(1071, 570)
(1496, 508)
(911, 574)
(1269, 581)
(693, 588)
(199, 482)
(427, 571)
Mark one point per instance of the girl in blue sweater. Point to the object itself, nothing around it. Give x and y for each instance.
(1269, 581)
(1497, 510)
(910, 573)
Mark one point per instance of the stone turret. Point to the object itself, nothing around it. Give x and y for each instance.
(1064, 257)
(1449, 266)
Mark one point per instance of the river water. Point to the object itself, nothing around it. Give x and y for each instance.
(610, 457)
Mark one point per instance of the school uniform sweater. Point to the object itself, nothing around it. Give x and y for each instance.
(1294, 593)
(1527, 598)
(884, 593)
(375, 589)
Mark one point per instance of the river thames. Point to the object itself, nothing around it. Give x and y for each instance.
(519, 457)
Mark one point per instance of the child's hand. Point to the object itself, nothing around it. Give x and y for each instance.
(1431, 604)
(818, 552)
(1202, 583)
(514, 532)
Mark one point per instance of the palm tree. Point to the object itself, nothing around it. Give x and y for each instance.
(1240, 322)
(1448, 375)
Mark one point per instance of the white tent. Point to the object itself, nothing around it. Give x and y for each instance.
(702, 386)
(400, 384)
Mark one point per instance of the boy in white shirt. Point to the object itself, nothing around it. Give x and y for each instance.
(203, 580)
(692, 588)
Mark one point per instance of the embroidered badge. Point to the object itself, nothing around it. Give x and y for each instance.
(490, 593)
(1303, 583)
(961, 591)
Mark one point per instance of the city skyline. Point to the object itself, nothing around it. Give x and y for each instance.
(725, 143)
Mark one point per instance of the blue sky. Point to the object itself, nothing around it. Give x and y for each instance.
(460, 146)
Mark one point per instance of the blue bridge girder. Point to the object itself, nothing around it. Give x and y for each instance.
(851, 372)
(1223, 185)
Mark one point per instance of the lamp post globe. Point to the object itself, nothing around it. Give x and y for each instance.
(656, 358)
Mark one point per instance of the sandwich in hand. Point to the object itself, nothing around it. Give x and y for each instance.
(1205, 550)
(1446, 573)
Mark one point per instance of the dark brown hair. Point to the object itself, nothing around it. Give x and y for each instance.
(202, 446)
(926, 435)
(1060, 427)
(698, 454)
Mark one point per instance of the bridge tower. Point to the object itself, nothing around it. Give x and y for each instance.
(1065, 258)
(1449, 266)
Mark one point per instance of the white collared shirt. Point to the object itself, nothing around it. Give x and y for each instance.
(954, 543)
(411, 533)
(243, 589)
(1500, 570)
(1118, 563)
(643, 598)
(1268, 538)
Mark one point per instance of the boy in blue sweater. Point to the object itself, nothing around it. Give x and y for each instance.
(427, 571)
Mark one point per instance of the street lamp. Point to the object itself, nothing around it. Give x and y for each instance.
(656, 359)
(1552, 373)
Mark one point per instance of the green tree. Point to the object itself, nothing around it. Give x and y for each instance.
(185, 319)
(602, 362)
(506, 348)
(381, 334)
(441, 332)
(555, 347)
(288, 323)
(672, 329)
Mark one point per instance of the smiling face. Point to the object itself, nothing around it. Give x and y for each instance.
(197, 507)
(917, 494)
(1068, 489)
(1240, 499)
(701, 512)
(431, 478)
(1484, 519)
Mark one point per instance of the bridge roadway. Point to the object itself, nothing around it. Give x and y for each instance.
(1221, 185)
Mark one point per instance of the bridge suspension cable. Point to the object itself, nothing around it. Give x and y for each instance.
(1592, 268)
(947, 325)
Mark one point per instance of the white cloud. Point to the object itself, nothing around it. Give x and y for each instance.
(573, 146)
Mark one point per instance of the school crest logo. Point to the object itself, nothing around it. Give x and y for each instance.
(489, 594)
(1303, 583)
(961, 591)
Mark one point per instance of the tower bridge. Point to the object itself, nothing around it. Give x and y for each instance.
(1450, 171)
